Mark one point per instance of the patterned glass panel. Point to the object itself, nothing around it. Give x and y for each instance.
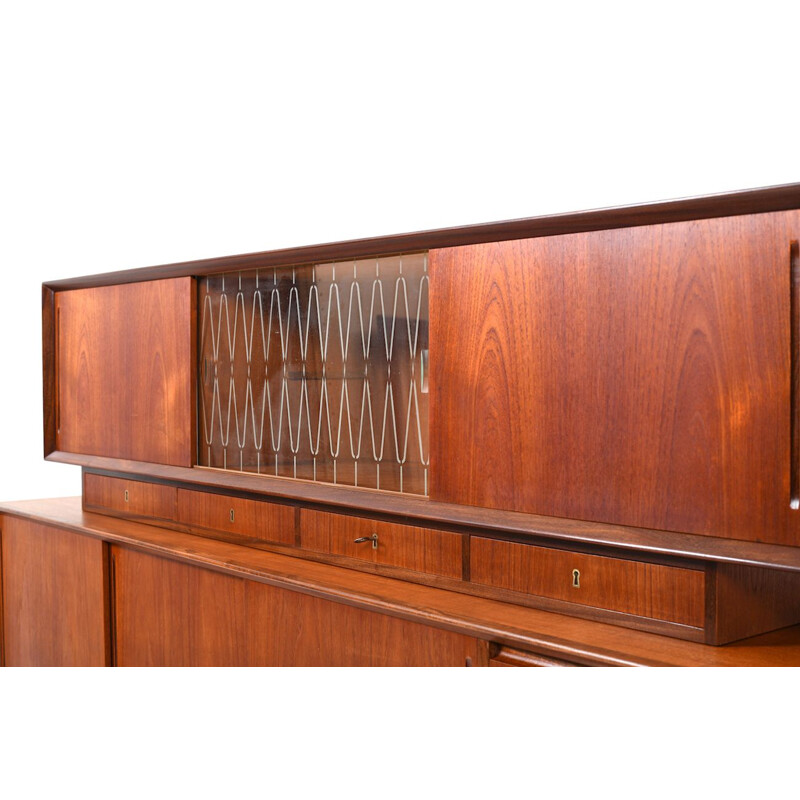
(318, 372)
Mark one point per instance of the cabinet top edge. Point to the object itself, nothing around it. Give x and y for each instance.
(783, 197)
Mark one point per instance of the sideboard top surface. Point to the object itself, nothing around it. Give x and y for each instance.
(750, 201)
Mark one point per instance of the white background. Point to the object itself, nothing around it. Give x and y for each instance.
(134, 134)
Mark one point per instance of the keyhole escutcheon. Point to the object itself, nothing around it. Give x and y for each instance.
(232, 515)
(373, 539)
(576, 579)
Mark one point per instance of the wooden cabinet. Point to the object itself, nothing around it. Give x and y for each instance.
(638, 376)
(123, 365)
(55, 598)
(490, 411)
(83, 588)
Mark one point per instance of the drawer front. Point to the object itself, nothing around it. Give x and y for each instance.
(672, 594)
(418, 549)
(134, 498)
(257, 519)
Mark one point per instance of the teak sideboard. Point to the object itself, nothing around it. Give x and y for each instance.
(566, 440)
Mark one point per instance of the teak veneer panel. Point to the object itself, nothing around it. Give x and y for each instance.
(171, 614)
(125, 382)
(638, 376)
(129, 497)
(55, 609)
(673, 594)
(258, 519)
(418, 549)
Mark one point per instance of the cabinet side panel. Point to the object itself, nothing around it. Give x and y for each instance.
(54, 596)
(750, 601)
(125, 371)
(637, 376)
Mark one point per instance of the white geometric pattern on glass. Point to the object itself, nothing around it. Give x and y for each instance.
(318, 372)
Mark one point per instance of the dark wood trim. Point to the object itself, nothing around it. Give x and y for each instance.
(108, 605)
(193, 414)
(2, 606)
(794, 395)
(750, 201)
(49, 367)
(420, 510)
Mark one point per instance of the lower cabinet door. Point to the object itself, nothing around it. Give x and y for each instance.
(172, 614)
(55, 599)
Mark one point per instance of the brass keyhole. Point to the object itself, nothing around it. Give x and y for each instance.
(126, 495)
(576, 579)
(232, 515)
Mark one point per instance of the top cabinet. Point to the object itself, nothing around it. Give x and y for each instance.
(638, 376)
(124, 371)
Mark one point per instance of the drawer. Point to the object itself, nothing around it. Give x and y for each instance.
(418, 549)
(128, 497)
(672, 594)
(258, 519)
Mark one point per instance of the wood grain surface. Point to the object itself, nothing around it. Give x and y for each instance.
(54, 596)
(171, 614)
(749, 600)
(129, 497)
(531, 630)
(419, 549)
(258, 519)
(637, 376)
(125, 371)
(675, 594)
